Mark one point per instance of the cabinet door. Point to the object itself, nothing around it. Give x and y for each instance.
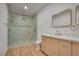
(65, 48)
(75, 48)
(46, 45)
(55, 47)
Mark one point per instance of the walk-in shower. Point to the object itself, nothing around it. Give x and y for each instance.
(21, 30)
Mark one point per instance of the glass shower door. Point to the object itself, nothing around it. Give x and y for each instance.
(20, 31)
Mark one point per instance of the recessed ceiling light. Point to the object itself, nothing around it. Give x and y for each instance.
(25, 7)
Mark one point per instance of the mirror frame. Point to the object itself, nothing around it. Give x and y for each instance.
(61, 13)
(76, 14)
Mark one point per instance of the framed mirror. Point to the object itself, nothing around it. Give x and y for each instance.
(62, 19)
(77, 15)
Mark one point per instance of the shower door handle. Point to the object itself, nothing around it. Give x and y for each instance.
(9, 30)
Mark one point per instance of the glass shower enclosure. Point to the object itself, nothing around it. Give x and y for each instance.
(21, 30)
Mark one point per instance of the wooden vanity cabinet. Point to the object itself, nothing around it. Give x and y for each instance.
(46, 45)
(65, 47)
(50, 46)
(75, 48)
(55, 46)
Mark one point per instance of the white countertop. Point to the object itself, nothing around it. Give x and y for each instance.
(63, 37)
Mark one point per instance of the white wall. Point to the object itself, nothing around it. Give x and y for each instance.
(3, 28)
(44, 19)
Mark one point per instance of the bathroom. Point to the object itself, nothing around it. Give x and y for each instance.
(30, 23)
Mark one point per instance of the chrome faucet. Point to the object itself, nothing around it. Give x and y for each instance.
(57, 33)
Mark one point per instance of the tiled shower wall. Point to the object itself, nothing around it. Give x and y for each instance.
(21, 30)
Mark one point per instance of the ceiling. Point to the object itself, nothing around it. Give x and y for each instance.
(18, 8)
